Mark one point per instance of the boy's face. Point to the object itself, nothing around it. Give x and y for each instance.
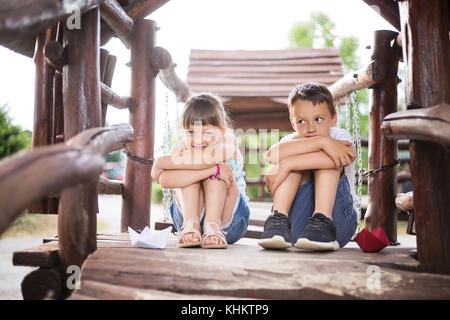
(310, 120)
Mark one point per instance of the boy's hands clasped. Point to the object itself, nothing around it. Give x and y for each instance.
(340, 151)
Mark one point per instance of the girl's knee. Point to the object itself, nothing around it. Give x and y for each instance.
(213, 184)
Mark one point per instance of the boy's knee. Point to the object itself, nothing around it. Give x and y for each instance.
(329, 172)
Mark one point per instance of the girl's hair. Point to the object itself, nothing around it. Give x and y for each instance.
(207, 108)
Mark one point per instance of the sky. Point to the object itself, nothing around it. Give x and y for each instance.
(199, 24)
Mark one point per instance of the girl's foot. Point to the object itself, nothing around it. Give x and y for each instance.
(189, 235)
(213, 236)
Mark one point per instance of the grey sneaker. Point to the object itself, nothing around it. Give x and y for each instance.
(319, 234)
(276, 234)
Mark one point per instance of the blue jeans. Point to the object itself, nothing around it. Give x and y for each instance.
(235, 229)
(344, 215)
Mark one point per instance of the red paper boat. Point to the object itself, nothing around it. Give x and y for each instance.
(372, 241)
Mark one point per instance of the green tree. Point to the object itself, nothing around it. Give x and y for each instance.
(12, 137)
(318, 32)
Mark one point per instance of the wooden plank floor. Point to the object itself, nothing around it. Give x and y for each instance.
(117, 270)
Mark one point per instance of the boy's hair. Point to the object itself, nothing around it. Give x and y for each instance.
(313, 92)
(207, 108)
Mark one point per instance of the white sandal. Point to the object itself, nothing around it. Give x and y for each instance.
(213, 229)
(188, 227)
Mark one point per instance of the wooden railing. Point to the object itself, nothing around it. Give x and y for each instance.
(50, 169)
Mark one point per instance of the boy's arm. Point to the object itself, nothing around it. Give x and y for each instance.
(339, 151)
(293, 146)
(301, 162)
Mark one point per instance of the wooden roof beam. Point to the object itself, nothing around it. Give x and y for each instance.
(137, 9)
(21, 19)
(118, 20)
(388, 9)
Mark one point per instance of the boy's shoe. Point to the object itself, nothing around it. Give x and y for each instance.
(319, 234)
(276, 234)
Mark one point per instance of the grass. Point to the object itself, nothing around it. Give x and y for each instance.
(37, 225)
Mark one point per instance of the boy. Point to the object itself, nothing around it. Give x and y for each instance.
(312, 180)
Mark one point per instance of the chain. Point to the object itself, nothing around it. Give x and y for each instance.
(373, 172)
(165, 147)
(357, 141)
(148, 161)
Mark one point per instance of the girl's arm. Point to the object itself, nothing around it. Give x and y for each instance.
(198, 159)
(183, 178)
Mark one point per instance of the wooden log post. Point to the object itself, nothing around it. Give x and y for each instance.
(137, 183)
(107, 81)
(426, 52)
(382, 187)
(77, 221)
(43, 110)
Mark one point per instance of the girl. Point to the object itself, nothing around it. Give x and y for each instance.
(206, 170)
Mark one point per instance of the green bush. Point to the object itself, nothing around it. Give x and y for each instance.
(12, 137)
(157, 195)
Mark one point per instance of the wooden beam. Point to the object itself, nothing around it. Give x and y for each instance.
(77, 216)
(382, 151)
(428, 124)
(366, 77)
(106, 186)
(387, 9)
(23, 19)
(107, 80)
(137, 186)
(45, 255)
(426, 51)
(118, 20)
(55, 55)
(137, 9)
(49, 169)
(43, 110)
(113, 99)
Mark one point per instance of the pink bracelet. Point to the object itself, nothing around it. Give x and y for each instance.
(217, 172)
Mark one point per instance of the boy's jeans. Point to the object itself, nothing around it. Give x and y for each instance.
(344, 215)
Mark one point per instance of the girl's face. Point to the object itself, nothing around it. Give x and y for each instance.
(200, 136)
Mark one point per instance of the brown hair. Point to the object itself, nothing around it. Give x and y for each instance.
(313, 92)
(207, 108)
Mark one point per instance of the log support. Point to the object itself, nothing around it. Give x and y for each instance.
(44, 112)
(77, 221)
(136, 196)
(382, 187)
(426, 52)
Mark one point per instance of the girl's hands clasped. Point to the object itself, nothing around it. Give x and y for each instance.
(226, 174)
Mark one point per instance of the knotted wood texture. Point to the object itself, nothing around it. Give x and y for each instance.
(137, 184)
(426, 54)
